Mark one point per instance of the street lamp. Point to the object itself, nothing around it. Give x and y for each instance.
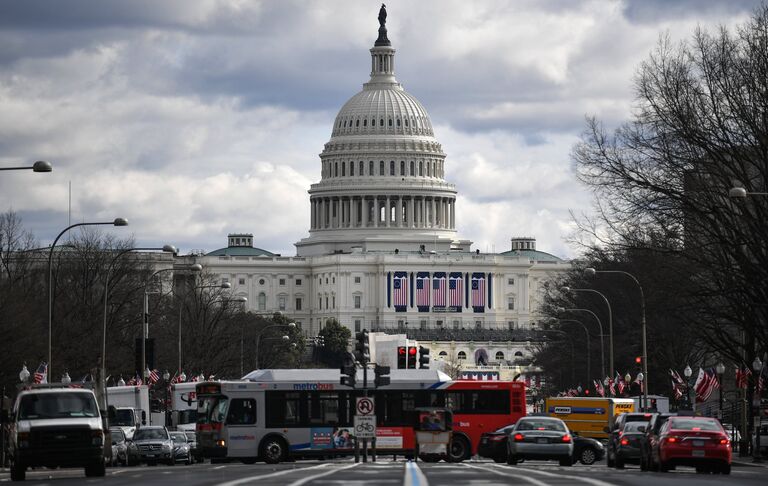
(610, 323)
(720, 369)
(592, 272)
(39, 166)
(688, 372)
(24, 374)
(741, 193)
(116, 222)
(65, 379)
(164, 248)
(258, 342)
(757, 365)
(195, 267)
(561, 310)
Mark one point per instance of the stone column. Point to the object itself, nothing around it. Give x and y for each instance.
(388, 213)
(453, 213)
(376, 211)
(409, 212)
(364, 209)
(432, 217)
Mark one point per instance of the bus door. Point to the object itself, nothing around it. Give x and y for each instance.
(211, 431)
(241, 426)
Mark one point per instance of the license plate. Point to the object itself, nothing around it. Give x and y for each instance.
(698, 443)
(697, 453)
(542, 441)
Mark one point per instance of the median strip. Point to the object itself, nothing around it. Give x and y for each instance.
(413, 475)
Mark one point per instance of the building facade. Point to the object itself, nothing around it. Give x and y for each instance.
(382, 252)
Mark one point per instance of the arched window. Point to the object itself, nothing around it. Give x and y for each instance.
(351, 168)
(345, 123)
(441, 354)
(370, 167)
(339, 124)
(499, 356)
(381, 122)
(335, 169)
(429, 169)
(402, 168)
(381, 167)
(365, 122)
(406, 122)
(262, 301)
(362, 168)
(398, 122)
(343, 169)
(462, 355)
(412, 173)
(357, 122)
(391, 167)
(421, 168)
(518, 354)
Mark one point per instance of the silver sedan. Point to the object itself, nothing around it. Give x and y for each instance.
(546, 438)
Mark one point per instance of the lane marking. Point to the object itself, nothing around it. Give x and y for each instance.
(323, 474)
(413, 475)
(499, 473)
(249, 479)
(592, 481)
(219, 467)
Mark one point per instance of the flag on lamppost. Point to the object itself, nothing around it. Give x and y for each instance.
(41, 373)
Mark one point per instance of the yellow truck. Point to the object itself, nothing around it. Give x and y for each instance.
(586, 415)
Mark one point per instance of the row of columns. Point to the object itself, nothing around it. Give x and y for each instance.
(366, 212)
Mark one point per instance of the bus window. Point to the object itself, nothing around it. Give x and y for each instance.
(283, 409)
(242, 411)
(324, 409)
(211, 409)
(219, 412)
(479, 401)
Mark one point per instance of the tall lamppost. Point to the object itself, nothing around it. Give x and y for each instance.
(258, 342)
(116, 222)
(194, 267)
(688, 372)
(39, 166)
(720, 369)
(600, 325)
(586, 331)
(592, 271)
(757, 366)
(164, 248)
(223, 285)
(610, 323)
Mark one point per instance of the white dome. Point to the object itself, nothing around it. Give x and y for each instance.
(382, 111)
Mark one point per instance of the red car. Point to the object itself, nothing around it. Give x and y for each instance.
(700, 442)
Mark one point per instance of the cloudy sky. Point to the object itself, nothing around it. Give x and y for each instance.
(195, 118)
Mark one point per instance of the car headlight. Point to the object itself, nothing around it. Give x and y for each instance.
(167, 446)
(97, 437)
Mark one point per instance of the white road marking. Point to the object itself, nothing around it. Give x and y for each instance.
(219, 467)
(593, 482)
(249, 479)
(322, 474)
(534, 481)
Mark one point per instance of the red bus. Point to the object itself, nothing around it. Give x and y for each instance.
(275, 414)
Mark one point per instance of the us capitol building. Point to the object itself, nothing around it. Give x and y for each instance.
(382, 252)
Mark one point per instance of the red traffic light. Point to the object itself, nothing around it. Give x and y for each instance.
(586, 392)
(412, 351)
(639, 359)
(401, 350)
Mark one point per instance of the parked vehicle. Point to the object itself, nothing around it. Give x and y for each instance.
(181, 447)
(546, 438)
(628, 449)
(154, 445)
(56, 427)
(650, 441)
(700, 442)
(183, 406)
(589, 416)
(614, 435)
(119, 447)
(128, 408)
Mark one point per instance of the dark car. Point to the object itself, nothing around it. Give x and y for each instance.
(493, 445)
(700, 442)
(587, 450)
(651, 441)
(614, 434)
(628, 450)
(542, 438)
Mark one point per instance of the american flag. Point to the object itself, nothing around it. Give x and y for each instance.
(478, 292)
(135, 381)
(599, 388)
(195, 378)
(455, 291)
(620, 383)
(611, 387)
(742, 377)
(706, 383)
(154, 377)
(438, 291)
(400, 285)
(175, 378)
(41, 374)
(422, 291)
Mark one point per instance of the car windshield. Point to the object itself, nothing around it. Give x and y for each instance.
(633, 427)
(694, 425)
(178, 437)
(123, 417)
(57, 405)
(552, 425)
(504, 430)
(144, 434)
(117, 435)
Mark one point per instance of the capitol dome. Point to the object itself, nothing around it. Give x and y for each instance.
(382, 184)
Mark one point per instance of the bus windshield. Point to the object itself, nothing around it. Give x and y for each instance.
(212, 409)
(123, 417)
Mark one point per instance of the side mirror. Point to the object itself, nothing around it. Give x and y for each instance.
(143, 417)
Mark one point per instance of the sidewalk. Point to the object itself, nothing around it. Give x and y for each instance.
(747, 461)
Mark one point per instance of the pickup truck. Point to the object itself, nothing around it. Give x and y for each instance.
(55, 427)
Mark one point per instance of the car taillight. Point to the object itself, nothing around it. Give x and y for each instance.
(624, 441)
(519, 437)
(723, 440)
(566, 438)
(671, 440)
(496, 437)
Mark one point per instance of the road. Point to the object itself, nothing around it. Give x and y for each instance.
(389, 473)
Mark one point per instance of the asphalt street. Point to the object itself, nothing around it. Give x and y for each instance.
(386, 472)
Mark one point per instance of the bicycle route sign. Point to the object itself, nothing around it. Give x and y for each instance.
(365, 426)
(364, 406)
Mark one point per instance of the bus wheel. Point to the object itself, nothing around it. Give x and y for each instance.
(458, 449)
(273, 450)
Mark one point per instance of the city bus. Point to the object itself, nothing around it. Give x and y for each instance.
(273, 415)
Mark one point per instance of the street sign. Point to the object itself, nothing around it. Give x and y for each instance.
(365, 426)
(364, 406)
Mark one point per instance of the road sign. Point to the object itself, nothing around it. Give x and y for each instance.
(365, 426)
(364, 406)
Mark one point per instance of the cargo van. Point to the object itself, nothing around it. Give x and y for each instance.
(588, 416)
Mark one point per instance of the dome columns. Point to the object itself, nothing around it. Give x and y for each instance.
(383, 211)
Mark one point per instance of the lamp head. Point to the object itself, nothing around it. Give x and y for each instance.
(65, 379)
(166, 375)
(720, 368)
(170, 249)
(195, 267)
(737, 193)
(286, 338)
(589, 272)
(640, 376)
(120, 222)
(565, 290)
(291, 324)
(24, 374)
(42, 166)
(121, 381)
(226, 285)
(627, 377)
(687, 371)
(757, 365)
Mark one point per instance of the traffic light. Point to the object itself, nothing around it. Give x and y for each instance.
(382, 377)
(362, 347)
(411, 357)
(423, 358)
(586, 392)
(349, 371)
(639, 360)
(402, 357)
